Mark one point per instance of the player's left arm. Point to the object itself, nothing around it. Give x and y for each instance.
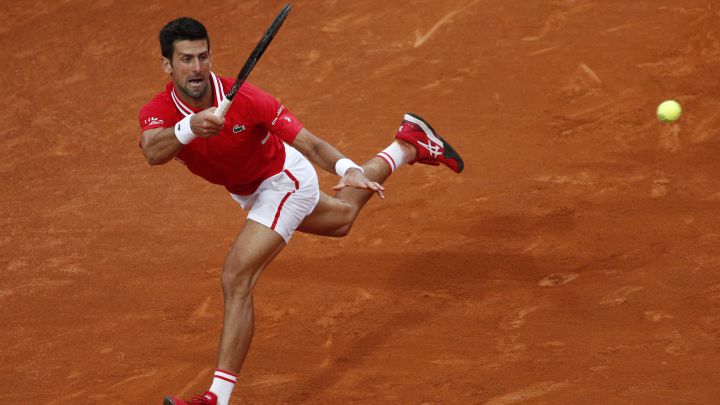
(326, 156)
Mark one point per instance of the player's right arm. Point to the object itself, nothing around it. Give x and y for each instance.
(160, 145)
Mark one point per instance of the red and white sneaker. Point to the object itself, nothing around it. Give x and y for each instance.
(208, 398)
(431, 148)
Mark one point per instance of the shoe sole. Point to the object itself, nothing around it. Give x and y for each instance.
(168, 401)
(448, 151)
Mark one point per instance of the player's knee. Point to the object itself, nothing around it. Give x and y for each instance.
(236, 280)
(336, 219)
(342, 230)
(347, 216)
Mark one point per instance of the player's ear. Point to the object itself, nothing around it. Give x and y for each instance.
(166, 65)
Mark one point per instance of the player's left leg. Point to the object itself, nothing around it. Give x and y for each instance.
(334, 216)
(416, 141)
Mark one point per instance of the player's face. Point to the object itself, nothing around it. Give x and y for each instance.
(190, 68)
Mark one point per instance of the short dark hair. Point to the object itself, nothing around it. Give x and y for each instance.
(181, 29)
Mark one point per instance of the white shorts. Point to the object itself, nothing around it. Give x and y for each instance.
(284, 200)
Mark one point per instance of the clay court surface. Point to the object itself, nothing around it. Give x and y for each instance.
(575, 261)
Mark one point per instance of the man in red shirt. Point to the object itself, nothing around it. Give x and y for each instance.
(261, 154)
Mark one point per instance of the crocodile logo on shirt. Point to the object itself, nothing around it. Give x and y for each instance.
(238, 128)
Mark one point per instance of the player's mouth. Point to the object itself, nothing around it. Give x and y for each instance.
(195, 82)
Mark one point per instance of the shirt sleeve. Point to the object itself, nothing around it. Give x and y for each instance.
(155, 115)
(274, 116)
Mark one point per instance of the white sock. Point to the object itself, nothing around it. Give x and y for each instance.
(394, 156)
(222, 386)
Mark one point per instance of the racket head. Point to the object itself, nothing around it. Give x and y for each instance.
(259, 50)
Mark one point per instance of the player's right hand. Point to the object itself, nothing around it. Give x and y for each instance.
(206, 124)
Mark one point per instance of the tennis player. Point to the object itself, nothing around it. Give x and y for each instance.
(263, 155)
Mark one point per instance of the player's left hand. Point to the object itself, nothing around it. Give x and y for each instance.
(356, 179)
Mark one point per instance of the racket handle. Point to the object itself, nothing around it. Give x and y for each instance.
(223, 107)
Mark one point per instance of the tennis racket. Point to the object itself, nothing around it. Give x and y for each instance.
(253, 59)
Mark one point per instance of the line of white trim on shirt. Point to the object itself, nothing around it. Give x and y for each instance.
(180, 106)
(219, 94)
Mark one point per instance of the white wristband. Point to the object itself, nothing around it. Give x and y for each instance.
(183, 132)
(342, 166)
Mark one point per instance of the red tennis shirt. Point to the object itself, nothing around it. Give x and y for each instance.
(248, 149)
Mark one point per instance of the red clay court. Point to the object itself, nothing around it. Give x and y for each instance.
(575, 260)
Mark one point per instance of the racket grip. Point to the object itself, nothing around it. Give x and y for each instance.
(223, 107)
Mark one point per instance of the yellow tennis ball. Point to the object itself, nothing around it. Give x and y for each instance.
(669, 110)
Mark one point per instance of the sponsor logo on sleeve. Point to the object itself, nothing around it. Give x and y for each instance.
(153, 121)
(277, 115)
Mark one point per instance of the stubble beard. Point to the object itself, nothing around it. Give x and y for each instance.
(195, 93)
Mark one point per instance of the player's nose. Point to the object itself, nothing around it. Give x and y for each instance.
(196, 65)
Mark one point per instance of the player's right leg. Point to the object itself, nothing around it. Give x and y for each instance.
(254, 248)
(416, 141)
(275, 210)
(334, 216)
